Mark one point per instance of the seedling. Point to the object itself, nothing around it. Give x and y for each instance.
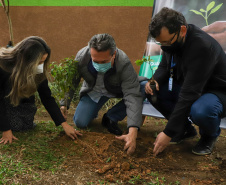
(108, 160)
(96, 143)
(205, 13)
(136, 179)
(147, 60)
(152, 80)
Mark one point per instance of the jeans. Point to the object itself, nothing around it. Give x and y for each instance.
(87, 110)
(205, 112)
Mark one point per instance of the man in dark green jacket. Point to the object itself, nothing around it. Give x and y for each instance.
(191, 82)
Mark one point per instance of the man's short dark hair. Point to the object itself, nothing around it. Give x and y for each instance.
(103, 42)
(169, 18)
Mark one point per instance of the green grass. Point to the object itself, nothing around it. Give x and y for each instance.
(30, 154)
(9, 167)
(148, 3)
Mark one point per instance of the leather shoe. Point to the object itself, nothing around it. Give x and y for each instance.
(111, 125)
(204, 146)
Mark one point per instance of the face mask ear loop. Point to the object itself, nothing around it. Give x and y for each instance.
(40, 69)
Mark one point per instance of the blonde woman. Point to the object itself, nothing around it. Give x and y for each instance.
(23, 71)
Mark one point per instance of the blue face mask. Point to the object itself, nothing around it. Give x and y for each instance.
(102, 68)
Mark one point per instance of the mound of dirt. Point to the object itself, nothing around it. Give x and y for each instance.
(99, 156)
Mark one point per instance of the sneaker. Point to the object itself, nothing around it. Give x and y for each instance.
(189, 134)
(111, 125)
(204, 146)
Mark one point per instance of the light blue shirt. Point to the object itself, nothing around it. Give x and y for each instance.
(99, 89)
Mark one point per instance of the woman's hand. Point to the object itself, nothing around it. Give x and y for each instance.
(7, 136)
(70, 131)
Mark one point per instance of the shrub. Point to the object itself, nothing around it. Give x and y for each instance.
(62, 76)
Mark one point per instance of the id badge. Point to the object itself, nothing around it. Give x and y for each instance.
(170, 84)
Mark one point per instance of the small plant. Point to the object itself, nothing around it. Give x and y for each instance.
(152, 80)
(154, 174)
(147, 60)
(136, 179)
(205, 13)
(96, 143)
(102, 182)
(108, 160)
(63, 75)
(88, 183)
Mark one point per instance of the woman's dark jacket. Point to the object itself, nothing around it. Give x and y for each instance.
(45, 96)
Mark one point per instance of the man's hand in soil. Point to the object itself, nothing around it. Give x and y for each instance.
(7, 136)
(130, 140)
(64, 111)
(161, 143)
(70, 131)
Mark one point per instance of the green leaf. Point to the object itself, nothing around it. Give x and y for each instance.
(196, 12)
(108, 160)
(139, 62)
(144, 60)
(202, 10)
(215, 9)
(210, 6)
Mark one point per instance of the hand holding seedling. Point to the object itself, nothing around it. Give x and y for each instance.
(7, 136)
(130, 140)
(70, 131)
(161, 142)
(148, 88)
(152, 85)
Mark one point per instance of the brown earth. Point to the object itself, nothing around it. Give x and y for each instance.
(99, 158)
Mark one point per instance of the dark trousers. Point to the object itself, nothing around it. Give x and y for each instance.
(205, 112)
(20, 117)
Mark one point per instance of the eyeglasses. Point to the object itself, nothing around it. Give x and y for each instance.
(166, 43)
(103, 62)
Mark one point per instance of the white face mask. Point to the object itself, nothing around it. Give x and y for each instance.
(40, 68)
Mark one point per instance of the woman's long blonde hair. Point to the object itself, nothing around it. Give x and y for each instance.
(21, 62)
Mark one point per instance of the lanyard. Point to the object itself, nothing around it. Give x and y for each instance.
(171, 67)
(170, 87)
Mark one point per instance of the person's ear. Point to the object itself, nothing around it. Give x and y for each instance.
(183, 31)
(114, 55)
